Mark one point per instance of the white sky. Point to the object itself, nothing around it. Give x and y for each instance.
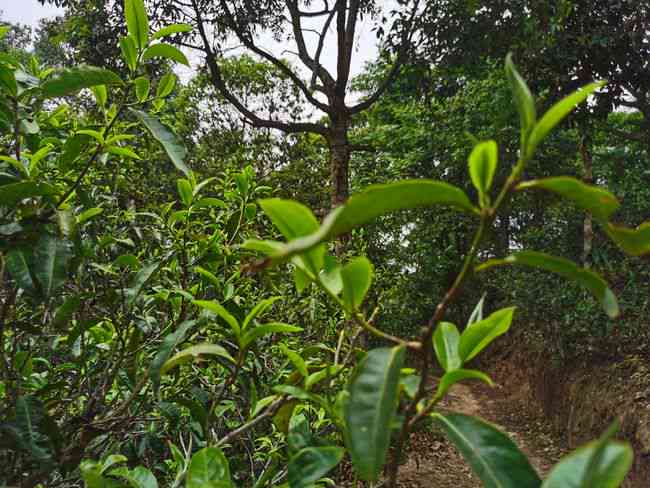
(26, 11)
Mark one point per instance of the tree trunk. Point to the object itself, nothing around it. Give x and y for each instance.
(588, 227)
(339, 147)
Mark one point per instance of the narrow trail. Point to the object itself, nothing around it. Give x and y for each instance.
(434, 463)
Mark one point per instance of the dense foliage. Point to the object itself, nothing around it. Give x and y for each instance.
(172, 315)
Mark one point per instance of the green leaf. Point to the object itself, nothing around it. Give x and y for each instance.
(137, 21)
(258, 310)
(301, 279)
(482, 165)
(599, 202)
(262, 330)
(70, 81)
(370, 409)
(375, 201)
(24, 432)
(166, 85)
(219, 310)
(311, 464)
(523, 100)
(450, 378)
(445, 343)
(142, 87)
(170, 141)
(480, 334)
(633, 241)
(129, 52)
(195, 352)
(63, 314)
(299, 436)
(18, 267)
(13, 193)
(185, 191)
(51, 258)
(357, 277)
(139, 477)
(494, 458)
(209, 469)
(292, 219)
(101, 94)
(557, 113)
(133, 292)
(8, 80)
(169, 343)
(86, 215)
(586, 278)
(477, 313)
(297, 360)
(166, 51)
(124, 152)
(172, 29)
(609, 471)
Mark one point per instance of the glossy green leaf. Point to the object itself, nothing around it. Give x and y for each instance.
(445, 344)
(184, 191)
(195, 352)
(366, 206)
(563, 267)
(166, 51)
(258, 310)
(523, 100)
(450, 378)
(18, 266)
(123, 152)
(493, 457)
(70, 81)
(137, 21)
(292, 219)
(357, 277)
(633, 241)
(172, 29)
(557, 113)
(480, 334)
(129, 52)
(166, 85)
(169, 343)
(209, 469)
(220, 311)
(599, 202)
(370, 409)
(142, 87)
(483, 165)
(311, 464)
(169, 141)
(13, 193)
(255, 333)
(577, 470)
(51, 258)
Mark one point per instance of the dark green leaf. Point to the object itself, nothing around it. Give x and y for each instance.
(70, 81)
(219, 310)
(133, 292)
(13, 193)
(494, 458)
(590, 280)
(299, 435)
(370, 409)
(169, 343)
(601, 203)
(18, 267)
(209, 469)
(311, 464)
(170, 141)
(51, 258)
(64, 313)
(445, 343)
(480, 334)
(166, 51)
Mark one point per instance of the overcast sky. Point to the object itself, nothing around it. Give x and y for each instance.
(26, 11)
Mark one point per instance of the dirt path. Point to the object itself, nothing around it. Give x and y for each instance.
(434, 463)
